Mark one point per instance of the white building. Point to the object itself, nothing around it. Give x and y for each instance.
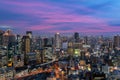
(58, 41)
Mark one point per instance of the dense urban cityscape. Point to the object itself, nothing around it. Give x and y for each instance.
(59, 40)
(58, 57)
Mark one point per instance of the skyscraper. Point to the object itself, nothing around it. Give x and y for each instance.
(1, 36)
(46, 42)
(25, 47)
(76, 36)
(25, 44)
(86, 40)
(70, 50)
(18, 44)
(8, 37)
(9, 42)
(116, 41)
(39, 43)
(29, 33)
(58, 41)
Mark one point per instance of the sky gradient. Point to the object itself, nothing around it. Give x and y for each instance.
(64, 16)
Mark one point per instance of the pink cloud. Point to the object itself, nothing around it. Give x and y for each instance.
(40, 27)
(49, 14)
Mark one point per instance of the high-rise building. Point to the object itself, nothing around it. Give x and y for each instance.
(76, 37)
(29, 33)
(70, 49)
(25, 44)
(110, 44)
(39, 43)
(18, 44)
(9, 43)
(116, 41)
(1, 36)
(86, 40)
(58, 42)
(48, 42)
(25, 47)
(8, 37)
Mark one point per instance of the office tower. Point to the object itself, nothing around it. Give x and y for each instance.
(9, 44)
(70, 50)
(25, 44)
(8, 37)
(86, 40)
(52, 41)
(18, 37)
(29, 33)
(46, 40)
(38, 43)
(48, 48)
(1, 36)
(110, 44)
(116, 41)
(18, 44)
(42, 55)
(76, 37)
(64, 45)
(77, 48)
(57, 41)
(25, 47)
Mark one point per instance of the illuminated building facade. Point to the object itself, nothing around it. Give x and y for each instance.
(29, 33)
(70, 48)
(25, 47)
(77, 48)
(58, 43)
(18, 44)
(8, 37)
(9, 43)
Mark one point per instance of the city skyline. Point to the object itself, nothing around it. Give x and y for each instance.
(64, 16)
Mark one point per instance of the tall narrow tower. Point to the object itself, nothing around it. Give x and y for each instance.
(8, 37)
(116, 41)
(57, 41)
(29, 34)
(1, 36)
(25, 47)
(76, 36)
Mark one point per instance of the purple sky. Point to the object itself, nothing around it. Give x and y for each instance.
(93, 16)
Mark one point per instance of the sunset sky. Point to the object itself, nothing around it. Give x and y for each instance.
(90, 16)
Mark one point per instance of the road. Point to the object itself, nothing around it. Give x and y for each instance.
(37, 71)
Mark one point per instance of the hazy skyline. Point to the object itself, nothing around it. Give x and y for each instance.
(65, 16)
